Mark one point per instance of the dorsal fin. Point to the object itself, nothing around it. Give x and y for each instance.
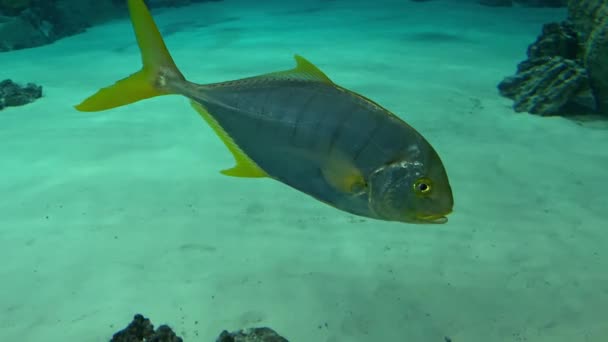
(304, 70)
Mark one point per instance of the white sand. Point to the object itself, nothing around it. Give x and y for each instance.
(104, 215)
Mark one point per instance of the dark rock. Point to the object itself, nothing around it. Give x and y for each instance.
(549, 86)
(142, 330)
(12, 94)
(251, 335)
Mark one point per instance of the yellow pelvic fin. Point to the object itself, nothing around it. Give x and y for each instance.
(341, 173)
(304, 70)
(152, 80)
(245, 167)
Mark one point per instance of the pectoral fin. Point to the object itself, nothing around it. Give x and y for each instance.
(245, 167)
(341, 173)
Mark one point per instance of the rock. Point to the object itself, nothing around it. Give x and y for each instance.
(590, 18)
(142, 330)
(251, 335)
(549, 86)
(12, 94)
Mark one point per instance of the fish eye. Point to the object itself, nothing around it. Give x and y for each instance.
(423, 186)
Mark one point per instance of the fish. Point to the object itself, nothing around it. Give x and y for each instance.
(300, 128)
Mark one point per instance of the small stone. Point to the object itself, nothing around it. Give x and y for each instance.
(12, 94)
(251, 335)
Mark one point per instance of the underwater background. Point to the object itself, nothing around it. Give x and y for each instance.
(105, 215)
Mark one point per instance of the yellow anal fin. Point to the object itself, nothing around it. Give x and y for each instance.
(245, 167)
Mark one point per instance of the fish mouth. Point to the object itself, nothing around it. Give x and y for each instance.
(435, 219)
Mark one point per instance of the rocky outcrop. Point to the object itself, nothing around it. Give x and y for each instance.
(17, 33)
(567, 69)
(12, 94)
(30, 23)
(44, 21)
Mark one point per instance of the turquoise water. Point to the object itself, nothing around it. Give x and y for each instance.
(108, 214)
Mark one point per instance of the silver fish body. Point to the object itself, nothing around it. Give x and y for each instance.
(280, 124)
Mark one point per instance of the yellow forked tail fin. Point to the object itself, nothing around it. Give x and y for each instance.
(152, 80)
